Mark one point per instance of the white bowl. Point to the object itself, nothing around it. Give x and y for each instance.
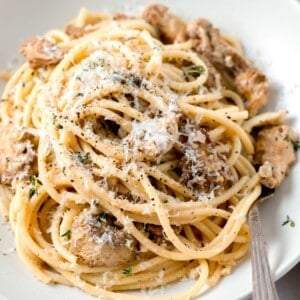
(269, 30)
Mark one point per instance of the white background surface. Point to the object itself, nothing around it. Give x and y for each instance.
(270, 31)
(289, 285)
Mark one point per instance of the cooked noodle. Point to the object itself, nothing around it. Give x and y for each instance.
(122, 129)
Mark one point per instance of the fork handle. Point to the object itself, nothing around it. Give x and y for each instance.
(263, 283)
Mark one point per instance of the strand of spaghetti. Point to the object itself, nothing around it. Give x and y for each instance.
(188, 216)
(208, 234)
(97, 192)
(236, 98)
(189, 233)
(217, 229)
(81, 48)
(230, 125)
(233, 256)
(269, 118)
(107, 114)
(235, 151)
(214, 278)
(149, 279)
(56, 237)
(117, 278)
(58, 36)
(126, 109)
(172, 236)
(14, 80)
(181, 206)
(175, 272)
(198, 99)
(195, 60)
(167, 180)
(29, 262)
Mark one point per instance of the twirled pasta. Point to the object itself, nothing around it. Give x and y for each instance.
(117, 126)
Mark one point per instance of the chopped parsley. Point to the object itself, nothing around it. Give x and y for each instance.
(67, 234)
(54, 117)
(102, 217)
(34, 182)
(83, 157)
(127, 271)
(32, 192)
(194, 71)
(99, 63)
(288, 221)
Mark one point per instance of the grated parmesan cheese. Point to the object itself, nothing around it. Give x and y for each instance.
(152, 137)
(106, 237)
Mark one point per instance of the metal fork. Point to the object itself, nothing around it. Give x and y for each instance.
(262, 279)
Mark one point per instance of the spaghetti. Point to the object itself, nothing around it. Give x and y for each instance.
(130, 167)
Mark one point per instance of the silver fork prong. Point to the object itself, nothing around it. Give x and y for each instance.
(263, 283)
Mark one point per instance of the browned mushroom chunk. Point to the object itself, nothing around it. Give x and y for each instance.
(255, 88)
(40, 52)
(121, 16)
(76, 32)
(171, 28)
(17, 154)
(214, 80)
(99, 244)
(157, 235)
(249, 82)
(275, 153)
(203, 168)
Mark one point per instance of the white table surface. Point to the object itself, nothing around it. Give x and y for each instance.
(289, 286)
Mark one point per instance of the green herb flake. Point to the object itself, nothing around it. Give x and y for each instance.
(54, 118)
(82, 157)
(127, 271)
(194, 71)
(34, 182)
(102, 217)
(32, 191)
(288, 221)
(99, 63)
(67, 234)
